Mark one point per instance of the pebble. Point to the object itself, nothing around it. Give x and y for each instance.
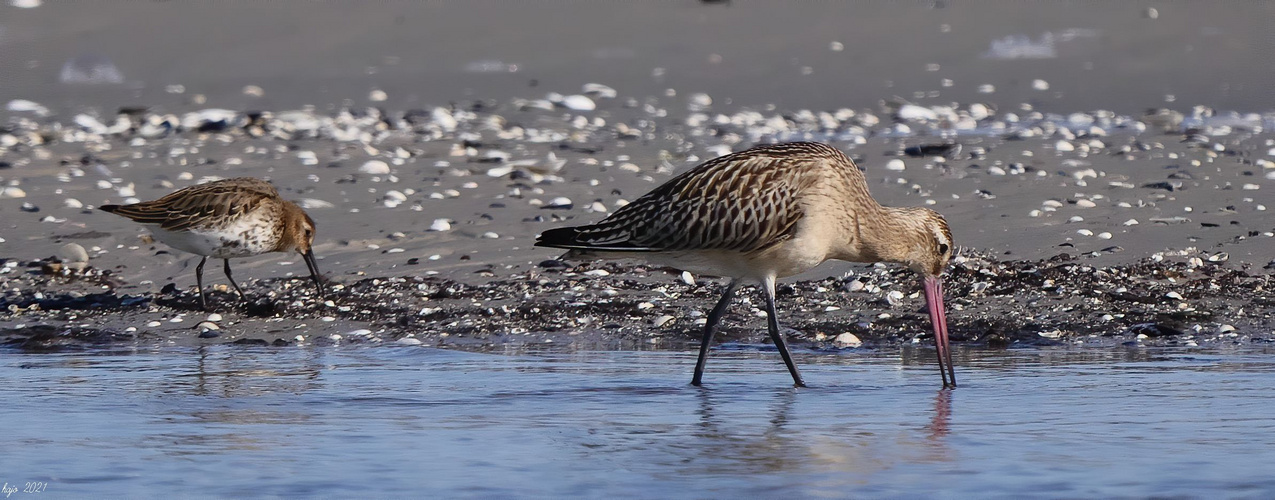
(74, 256)
(408, 341)
(561, 202)
(688, 278)
(599, 90)
(440, 225)
(848, 340)
(597, 272)
(660, 321)
(578, 103)
(375, 167)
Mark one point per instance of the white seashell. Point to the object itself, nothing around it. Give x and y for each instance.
(72, 203)
(500, 171)
(375, 167)
(395, 196)
(1085, 204)
(895, 165)
(1085, 232)
(848, 340)
(578, 102)
(699, 102)
(688, 278)
(23, 105)
(315, 203)
(73, 253)
(1039, 84)
(597, 272)
(914, 112)
(440, 225)
(1064, 146)
(127, 191)
(559, 202)
(377, 95)
(599, 90)
(12, 192)
(1104, 235)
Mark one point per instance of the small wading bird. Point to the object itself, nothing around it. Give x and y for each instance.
(766, 213)
(227, 219)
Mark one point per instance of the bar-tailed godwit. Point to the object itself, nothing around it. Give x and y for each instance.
(767, 213)
(227, 219)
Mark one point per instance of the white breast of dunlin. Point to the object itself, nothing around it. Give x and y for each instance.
(766, 213)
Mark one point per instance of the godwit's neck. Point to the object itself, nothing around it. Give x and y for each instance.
(885, 234)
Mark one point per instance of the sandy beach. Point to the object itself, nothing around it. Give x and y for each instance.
(1112, 182)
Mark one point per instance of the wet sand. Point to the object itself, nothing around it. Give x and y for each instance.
(1042, 196)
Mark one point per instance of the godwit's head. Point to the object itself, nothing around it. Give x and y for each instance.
(930, 248)
(927, 249)
(298, 235)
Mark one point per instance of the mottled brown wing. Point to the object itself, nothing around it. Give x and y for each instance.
(744, 201)
(202, 205)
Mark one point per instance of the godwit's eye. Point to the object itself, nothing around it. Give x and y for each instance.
(943, 248)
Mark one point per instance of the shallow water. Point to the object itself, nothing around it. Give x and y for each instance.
(398, 421)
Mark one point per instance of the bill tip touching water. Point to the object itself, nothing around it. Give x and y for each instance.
(766, 213)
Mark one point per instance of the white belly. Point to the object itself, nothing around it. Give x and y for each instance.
(246, 237)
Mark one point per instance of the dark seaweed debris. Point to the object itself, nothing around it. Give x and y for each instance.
(991, 302)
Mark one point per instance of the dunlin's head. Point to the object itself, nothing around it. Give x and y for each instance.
(298, 235)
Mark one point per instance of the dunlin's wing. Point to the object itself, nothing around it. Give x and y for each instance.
(744, 201)
(211, 204)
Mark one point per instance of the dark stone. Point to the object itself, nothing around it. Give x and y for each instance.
(251, 342)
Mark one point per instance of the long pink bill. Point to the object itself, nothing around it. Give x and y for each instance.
(938, 318)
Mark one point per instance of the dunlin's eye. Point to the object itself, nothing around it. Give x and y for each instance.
(943, 248)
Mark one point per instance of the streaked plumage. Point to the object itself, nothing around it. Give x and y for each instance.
(767, 213)
(227, 219)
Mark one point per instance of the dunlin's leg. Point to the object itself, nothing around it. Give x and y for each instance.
(768, 286)
(709, 329)
(199, 281)
(226, 267)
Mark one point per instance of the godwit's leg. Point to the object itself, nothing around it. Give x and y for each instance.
(226, 268)
(768, 286)
(709, 329)
(199, 281)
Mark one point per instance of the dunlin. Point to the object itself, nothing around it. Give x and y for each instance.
(767, 213)
(227, 219)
